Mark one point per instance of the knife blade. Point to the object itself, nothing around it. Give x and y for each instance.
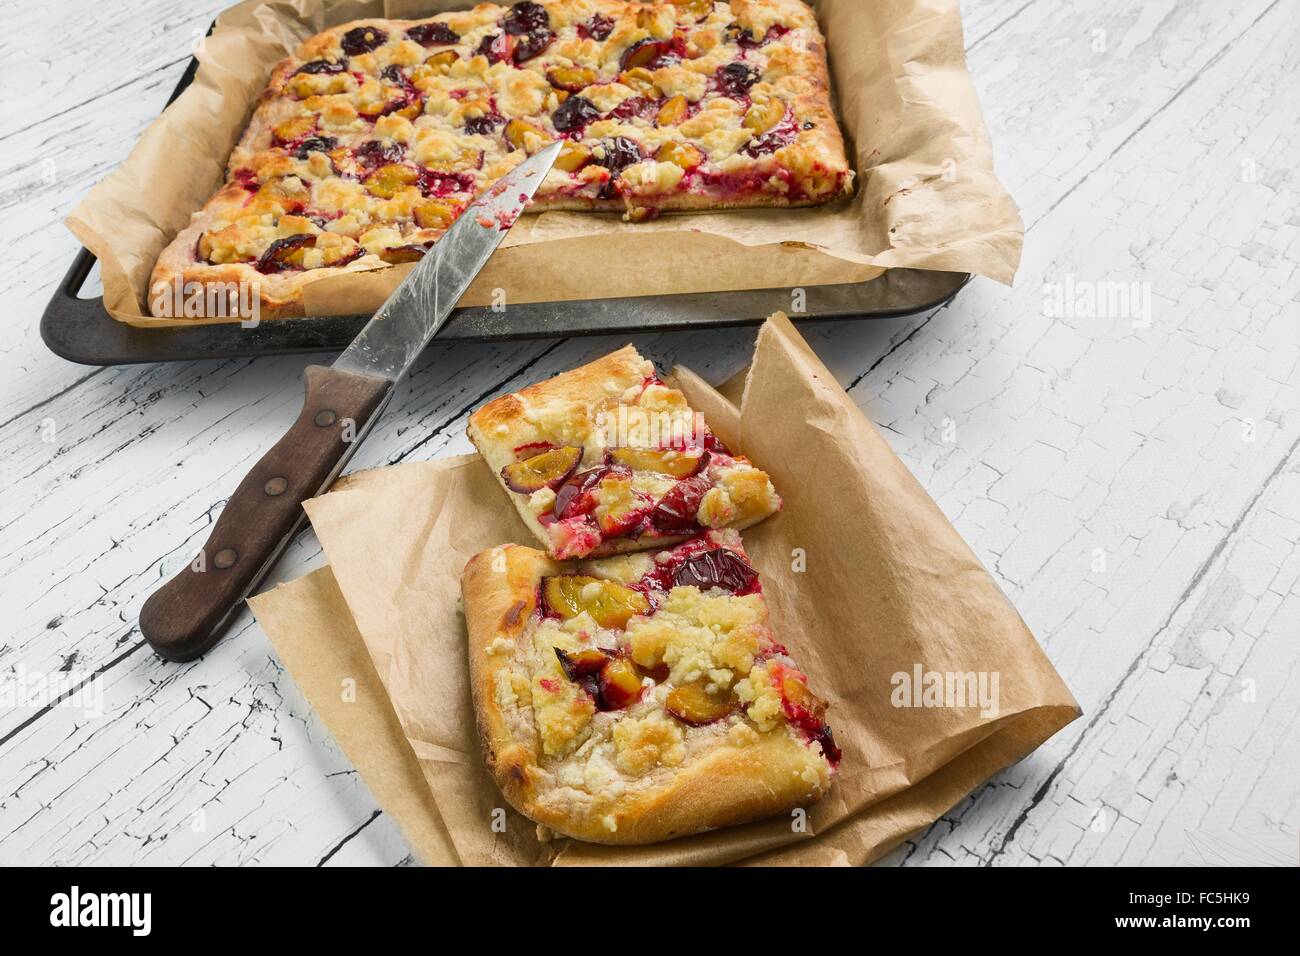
(405, 323)
(188, 614)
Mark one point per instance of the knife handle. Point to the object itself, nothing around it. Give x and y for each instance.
(188, 614)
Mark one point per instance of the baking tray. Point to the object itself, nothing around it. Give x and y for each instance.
(81, 330)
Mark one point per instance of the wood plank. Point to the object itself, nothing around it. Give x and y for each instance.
(112, 46)
(1169, 448)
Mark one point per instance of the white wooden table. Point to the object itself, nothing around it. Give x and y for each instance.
(1134, 485)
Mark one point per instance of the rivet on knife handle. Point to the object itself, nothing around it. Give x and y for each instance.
(189, 613)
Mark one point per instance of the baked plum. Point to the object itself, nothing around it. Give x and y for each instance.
(484, 125)
(517, 131)
(574, 79)
(573, 156)
(696, 8)
(360, 40)
(599, 27)
(530, 26)
(497, 47)
(315, 144)
(530, 45)
(574, 497)
(435, 214)
(378, 152)
(676, 511)
(441, 62)
(550, 469)
(433, 34)
(761, 117)
(574, 113)
(646, 53)
(293, 129)
(802, 707)
(673, 111)
(618, 685)
(718, 568)
(526, 17)
(323, 66)
(529, 449)
(285, 253)
(769, 143)
(696, 705)
(396, 255)
(826, 740)
(612, 681)
(617, 153)
(388, 180)
(609, 603)
(664, 461)
(735, 79)
(635, 106)
(681, 154)
(578, 665)
(437, 183)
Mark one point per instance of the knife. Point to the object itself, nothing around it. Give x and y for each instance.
(187, 615)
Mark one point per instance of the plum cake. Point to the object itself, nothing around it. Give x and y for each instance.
(372, 138)
(640, 697)
(606, 459)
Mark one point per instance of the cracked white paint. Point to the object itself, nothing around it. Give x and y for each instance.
(1169, 450)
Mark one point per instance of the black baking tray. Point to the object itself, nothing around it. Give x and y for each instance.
(81, 330)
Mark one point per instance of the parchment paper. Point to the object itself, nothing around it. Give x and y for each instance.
(927, 196)
(887, 584)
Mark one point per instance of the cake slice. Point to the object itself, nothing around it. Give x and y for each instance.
(606, 459)
(641, 697)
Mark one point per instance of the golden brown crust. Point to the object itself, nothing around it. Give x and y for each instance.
(500, 586)
(611, 373)
(724, 785)
(354, 232)
(731, 786)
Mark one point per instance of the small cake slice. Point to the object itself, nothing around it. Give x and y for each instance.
(606, 459)
(641, 697)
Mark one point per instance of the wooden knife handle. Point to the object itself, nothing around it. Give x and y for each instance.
(188, 614)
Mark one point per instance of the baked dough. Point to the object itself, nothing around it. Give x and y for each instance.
(606, 458)
(375, 134)
(674, 709)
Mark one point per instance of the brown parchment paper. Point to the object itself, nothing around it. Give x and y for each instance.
(887, 584)
(926, 198)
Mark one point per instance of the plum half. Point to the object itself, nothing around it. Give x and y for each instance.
(719, 568)
(581, 664)
(610, 604)
(694, 704)
(550, 469)
(619, 685)
(612, 681)
(802, 707)
(575, 496)
(664, 461)
(649, 53)
(676, 511)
